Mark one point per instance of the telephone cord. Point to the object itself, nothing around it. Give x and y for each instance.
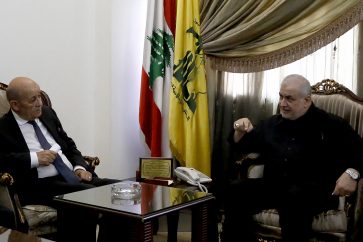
(202, 187)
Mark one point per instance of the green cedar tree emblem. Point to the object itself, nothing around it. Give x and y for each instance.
(162, 45)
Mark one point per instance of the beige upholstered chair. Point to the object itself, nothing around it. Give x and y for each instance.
(333, 225)
(36, 219)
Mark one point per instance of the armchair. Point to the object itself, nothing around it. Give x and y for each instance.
(334, 225)
(35, 219)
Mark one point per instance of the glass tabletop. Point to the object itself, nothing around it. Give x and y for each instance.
(151, 198)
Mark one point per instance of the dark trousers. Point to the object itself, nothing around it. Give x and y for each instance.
(43, 190)
(7, 217)
(81, 223)
(296, 204)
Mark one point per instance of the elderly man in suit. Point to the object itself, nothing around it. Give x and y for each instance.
(36, 150)
(307, 153)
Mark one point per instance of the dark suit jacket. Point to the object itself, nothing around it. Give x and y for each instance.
(314, 149)
(14, 152)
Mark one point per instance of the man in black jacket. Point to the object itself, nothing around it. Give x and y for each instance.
(311, 158)
(23, 132)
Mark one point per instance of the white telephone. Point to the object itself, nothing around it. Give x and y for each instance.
(193, 177)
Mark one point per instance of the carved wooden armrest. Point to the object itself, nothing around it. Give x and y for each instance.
(6, 179)
(92, 161)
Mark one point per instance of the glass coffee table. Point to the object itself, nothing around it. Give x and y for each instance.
(153, 201)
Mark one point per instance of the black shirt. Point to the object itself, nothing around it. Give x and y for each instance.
(315, 148)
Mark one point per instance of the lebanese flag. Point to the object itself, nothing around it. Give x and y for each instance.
(157, 71)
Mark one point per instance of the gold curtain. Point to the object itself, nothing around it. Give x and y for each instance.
(257, 35)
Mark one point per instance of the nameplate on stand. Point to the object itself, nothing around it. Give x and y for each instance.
(158, 170)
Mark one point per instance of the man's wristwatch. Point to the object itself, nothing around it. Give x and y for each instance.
(354, 174)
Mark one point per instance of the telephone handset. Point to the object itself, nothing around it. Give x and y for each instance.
(192, 176)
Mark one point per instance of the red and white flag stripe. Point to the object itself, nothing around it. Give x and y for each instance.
(154, 93)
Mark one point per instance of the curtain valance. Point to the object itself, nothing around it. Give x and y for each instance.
(257, 35)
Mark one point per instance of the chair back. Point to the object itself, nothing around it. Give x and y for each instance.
(4, 104)
(339, 100)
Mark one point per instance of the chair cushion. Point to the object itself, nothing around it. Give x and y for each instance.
(41, 219)
(330, 221)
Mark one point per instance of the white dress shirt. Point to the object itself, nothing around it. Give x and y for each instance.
(34, 146)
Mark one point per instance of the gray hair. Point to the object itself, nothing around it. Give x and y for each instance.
(305, 88)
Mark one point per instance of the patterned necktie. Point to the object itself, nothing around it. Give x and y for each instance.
(64, 170)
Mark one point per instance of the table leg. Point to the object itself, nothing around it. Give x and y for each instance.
(173, 220)
(144, 232)
(60, 226)
(76, 224)
(204, 223)
(200, 223)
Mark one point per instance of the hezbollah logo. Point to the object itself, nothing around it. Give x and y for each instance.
(162, 45)
(186, 73)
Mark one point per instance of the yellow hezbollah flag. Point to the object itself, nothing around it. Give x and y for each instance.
(188, 115)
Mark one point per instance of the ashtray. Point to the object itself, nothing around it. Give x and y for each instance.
(126, 190)
(125, 202)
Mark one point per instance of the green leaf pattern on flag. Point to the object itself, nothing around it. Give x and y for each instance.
(162, 45)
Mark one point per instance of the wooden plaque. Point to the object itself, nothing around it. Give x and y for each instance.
(156, 168)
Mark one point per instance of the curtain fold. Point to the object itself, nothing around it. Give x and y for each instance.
(256, 35)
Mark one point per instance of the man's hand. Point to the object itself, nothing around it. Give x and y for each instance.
(241, 126)
(84, 175)
(345, 185)
(46, 157)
